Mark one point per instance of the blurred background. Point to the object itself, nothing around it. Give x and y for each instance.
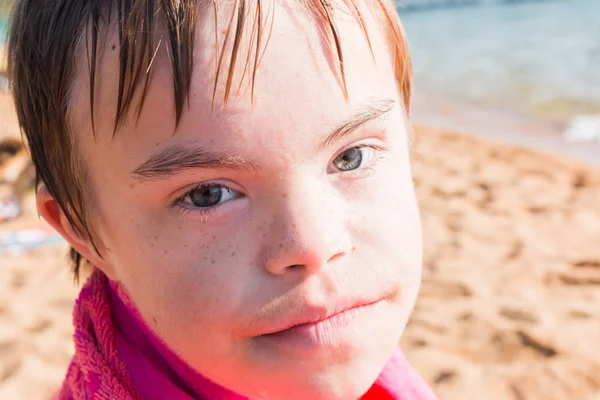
(506, 162)
(500, 62)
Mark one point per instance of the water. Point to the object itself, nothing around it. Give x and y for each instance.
(498, 65)
(538, 58)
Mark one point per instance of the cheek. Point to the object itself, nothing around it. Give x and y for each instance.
(388, 200)
(181, 276)
(389, 224)
(193, 306)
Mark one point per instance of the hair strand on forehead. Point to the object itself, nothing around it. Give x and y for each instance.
(361, 21)
(258, 42)
(400, 53)
(221, 56)
(239, 30)
(147, 47)
(253, 39)
(92, 60)
(327, 9)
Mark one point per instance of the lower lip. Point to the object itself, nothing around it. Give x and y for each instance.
(331, 332)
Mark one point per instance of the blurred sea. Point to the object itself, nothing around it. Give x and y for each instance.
(524, 71)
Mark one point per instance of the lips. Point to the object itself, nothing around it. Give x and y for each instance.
(318, 314)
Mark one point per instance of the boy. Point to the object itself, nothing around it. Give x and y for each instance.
(236, 176)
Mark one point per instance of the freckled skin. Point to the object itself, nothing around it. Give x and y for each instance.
(208, 283)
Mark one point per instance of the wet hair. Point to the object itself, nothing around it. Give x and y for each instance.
(46, 38)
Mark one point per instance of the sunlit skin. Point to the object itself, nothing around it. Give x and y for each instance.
(296, 212)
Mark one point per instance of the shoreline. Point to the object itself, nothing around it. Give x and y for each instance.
(504, 127)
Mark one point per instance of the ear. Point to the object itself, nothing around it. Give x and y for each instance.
(49, 209)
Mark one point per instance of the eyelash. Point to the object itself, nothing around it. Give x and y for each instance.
(204, 213)
(207, 212)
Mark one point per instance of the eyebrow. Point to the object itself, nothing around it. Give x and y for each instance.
(374, 109)
(180, 157)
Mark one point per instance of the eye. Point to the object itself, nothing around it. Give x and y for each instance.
(354, 158)
(208, 195)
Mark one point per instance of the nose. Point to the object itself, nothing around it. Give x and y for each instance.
(308, 229)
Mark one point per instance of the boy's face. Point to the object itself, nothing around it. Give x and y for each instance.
(253, 216)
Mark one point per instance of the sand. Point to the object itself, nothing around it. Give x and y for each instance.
(510, 301)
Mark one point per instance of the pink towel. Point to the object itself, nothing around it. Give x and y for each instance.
(117, 357)
(97, 370)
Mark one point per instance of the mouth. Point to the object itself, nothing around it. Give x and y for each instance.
(322, 327)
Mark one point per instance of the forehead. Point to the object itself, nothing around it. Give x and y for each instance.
(298, 85)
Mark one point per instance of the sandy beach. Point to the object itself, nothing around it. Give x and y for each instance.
(510, 301)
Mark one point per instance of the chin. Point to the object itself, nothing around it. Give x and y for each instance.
(337, 382)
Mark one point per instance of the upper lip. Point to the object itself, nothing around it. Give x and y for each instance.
(314, 313)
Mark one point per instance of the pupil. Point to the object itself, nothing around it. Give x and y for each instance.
(349, 160)
(206, 197)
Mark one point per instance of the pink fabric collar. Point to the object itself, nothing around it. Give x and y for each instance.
(118, 357)
(153, 366)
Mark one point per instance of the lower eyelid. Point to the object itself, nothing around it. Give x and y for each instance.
(205, 212)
